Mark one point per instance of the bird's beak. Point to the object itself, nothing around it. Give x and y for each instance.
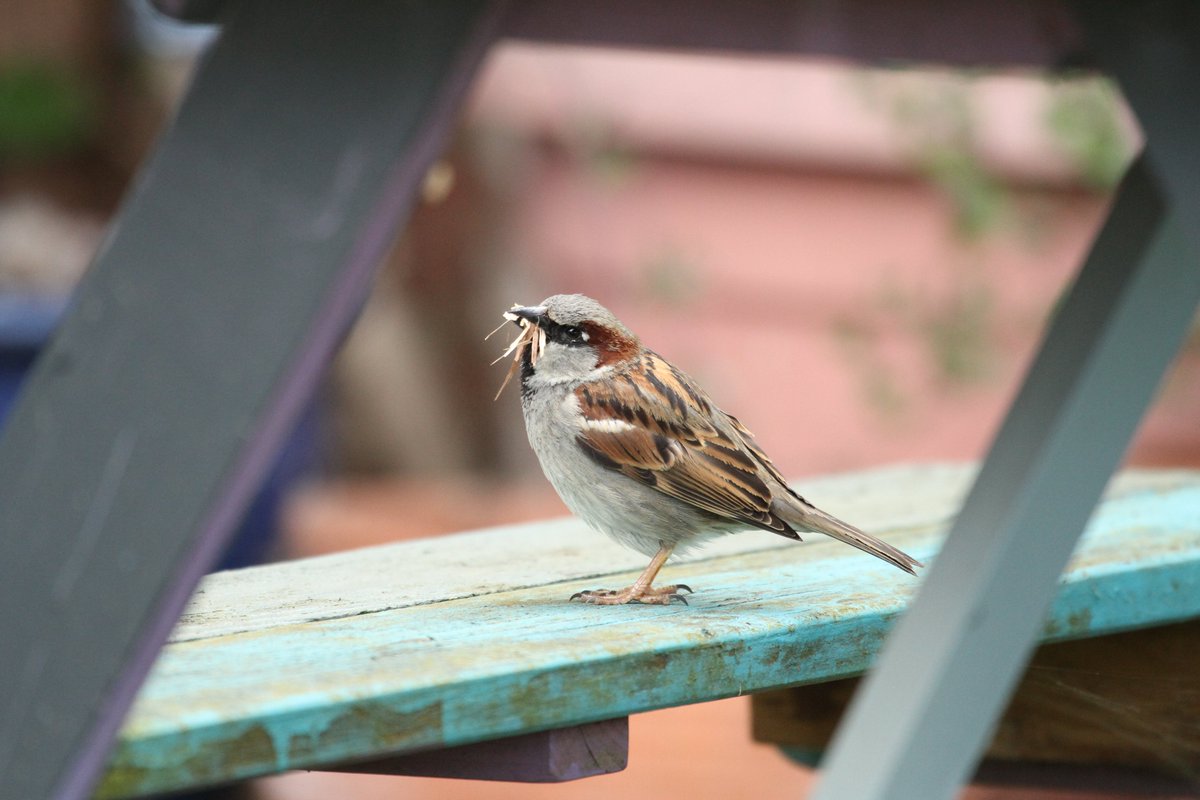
(533, 314)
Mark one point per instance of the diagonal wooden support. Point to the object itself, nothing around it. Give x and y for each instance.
(922, 718)
(1153, 50)
(235, 265)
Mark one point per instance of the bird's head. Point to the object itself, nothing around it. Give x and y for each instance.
(569, 338)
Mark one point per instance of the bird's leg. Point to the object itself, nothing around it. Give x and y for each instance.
(641, 591)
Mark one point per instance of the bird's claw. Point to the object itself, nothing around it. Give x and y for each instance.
(587, 594)
(613, 597)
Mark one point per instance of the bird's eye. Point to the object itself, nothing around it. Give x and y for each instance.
(572, 335)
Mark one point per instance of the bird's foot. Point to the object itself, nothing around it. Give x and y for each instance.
(661, 596)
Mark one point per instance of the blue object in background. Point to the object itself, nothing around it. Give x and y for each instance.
(26, 322)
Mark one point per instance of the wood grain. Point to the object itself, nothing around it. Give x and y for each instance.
(467, 638)
(1123, 701)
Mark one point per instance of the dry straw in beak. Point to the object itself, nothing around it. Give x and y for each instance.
(531, 336)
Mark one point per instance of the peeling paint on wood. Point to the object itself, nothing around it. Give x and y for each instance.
(466, 638)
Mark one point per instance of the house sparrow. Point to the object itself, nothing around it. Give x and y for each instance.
(638, 450)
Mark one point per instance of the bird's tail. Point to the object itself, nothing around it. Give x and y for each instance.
(809, 517)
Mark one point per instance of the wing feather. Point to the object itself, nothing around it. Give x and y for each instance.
(655, 425)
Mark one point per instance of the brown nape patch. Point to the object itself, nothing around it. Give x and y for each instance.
(611, 346)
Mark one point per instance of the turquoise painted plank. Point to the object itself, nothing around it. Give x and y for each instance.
(469, 667)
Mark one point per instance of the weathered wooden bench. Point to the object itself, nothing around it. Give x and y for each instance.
(243, 253)
(356, 659)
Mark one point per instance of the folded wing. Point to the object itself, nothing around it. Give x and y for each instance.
(653, 424)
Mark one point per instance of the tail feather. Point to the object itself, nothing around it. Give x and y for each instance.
(810, 518)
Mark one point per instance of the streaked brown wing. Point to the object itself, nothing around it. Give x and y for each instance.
(760, 457)
(655, 425)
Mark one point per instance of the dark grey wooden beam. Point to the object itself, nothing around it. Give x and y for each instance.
(235, 265)
(975, 33)
(918, 725)
(922, 717)
(1152, 49)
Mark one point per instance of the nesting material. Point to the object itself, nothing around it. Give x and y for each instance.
(531, 336)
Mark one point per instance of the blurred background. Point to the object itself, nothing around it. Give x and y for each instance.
(856, 261)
